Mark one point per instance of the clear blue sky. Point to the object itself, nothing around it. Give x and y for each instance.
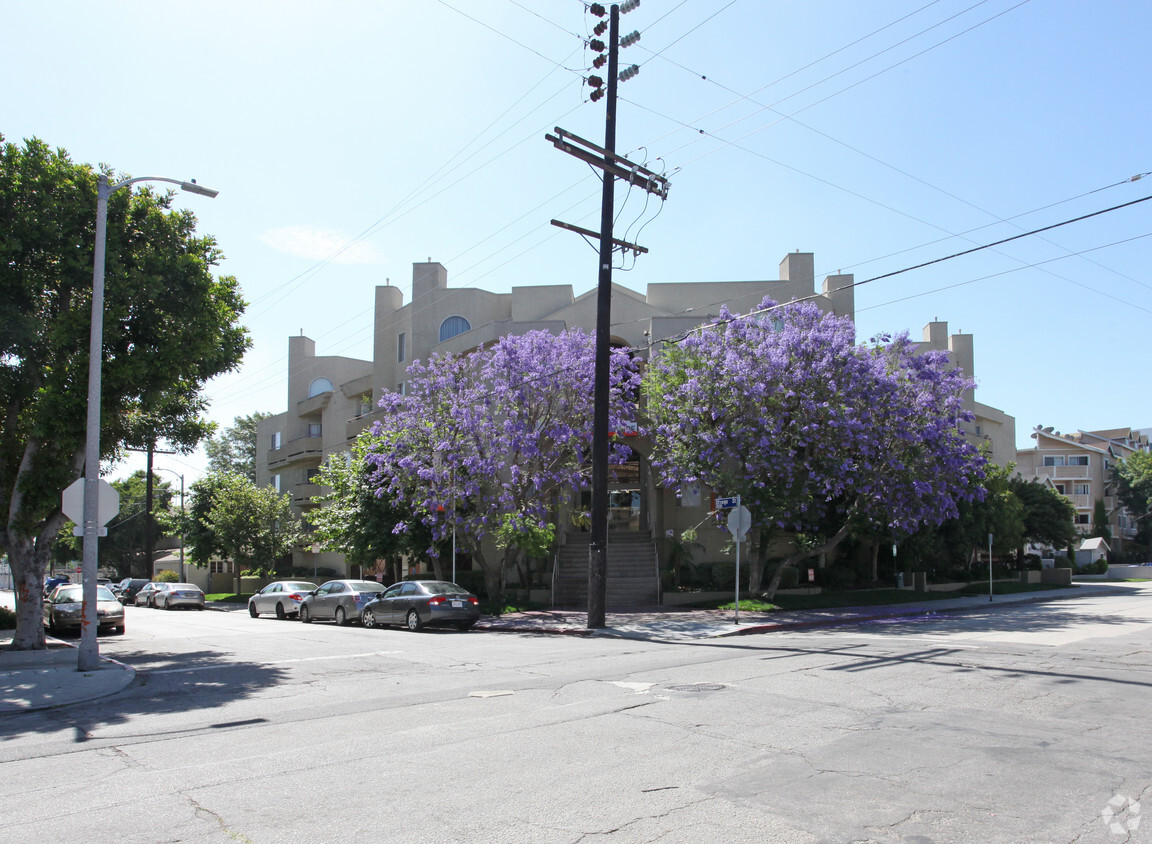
(877, 135)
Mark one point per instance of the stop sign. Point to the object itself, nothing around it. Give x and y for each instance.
(107, 502)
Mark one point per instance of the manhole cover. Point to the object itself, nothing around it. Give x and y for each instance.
(696, 687)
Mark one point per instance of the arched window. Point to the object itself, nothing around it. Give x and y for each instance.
(318, 386)
(452, 326)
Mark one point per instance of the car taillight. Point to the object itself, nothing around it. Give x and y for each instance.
(439, 599)
(296, 596)
(475, 601)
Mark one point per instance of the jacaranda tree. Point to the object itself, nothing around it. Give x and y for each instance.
(485, 442)
(817, 433)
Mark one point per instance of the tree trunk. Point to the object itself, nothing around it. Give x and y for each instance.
(28, 558)
(804, 555)
(493, 578)
(875, 560)
(756, 567)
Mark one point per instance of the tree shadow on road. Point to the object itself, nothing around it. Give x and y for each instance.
(184, 682)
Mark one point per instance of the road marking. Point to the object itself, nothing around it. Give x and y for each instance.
(495, 693)
(272, 662)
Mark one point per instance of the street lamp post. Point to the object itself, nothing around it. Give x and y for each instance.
(183, 577)
(89, 657)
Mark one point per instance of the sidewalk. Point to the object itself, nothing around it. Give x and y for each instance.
(49, 678)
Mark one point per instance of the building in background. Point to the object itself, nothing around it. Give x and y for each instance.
(1080, 466)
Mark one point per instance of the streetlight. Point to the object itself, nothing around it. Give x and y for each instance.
(183, 578)
(88, 654)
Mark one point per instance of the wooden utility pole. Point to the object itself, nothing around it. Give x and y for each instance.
(614, 167)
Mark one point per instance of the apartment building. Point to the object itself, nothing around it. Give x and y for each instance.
(332, 399)
(1080, 466)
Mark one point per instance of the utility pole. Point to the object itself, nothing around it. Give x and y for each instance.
(614, 167)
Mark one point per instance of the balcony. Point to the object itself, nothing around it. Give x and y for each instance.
(302, 494)
(295, 451)
(1059, 473)
(362, 423)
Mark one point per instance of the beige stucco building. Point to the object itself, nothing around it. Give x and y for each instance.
(1080, 466)
(332, 399)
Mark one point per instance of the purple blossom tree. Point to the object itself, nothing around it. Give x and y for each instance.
(816, 433)
(485, 442)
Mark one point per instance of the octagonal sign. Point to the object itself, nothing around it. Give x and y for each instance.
(107, 502)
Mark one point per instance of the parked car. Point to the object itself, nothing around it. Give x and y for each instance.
(50, 583)
(147, 593)
(424, 603)
(127, 588)
(340, 600)
(282, 597)
(175, 595)
(64, 609)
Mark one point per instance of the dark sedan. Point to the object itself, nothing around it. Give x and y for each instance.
(64, 609)
(424, 603)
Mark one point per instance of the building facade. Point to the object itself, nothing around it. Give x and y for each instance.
(332, 399)
(1080, 466)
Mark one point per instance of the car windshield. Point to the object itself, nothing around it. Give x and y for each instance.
(186, 587)
(443, 587)
(365, 586)
(75, 594)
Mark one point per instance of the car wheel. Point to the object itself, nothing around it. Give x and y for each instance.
(413, 621)
(167, 604)
(305, 616)
(368, 619)
(341, 618)
(465, 626)
(252, 610)
(280, 611)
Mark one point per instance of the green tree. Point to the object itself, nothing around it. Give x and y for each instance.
(124, 547)
(1048, 515)
(253, 526)
(357, 522)
(1134, 482)
(234, 449)
(169, 326)
(1100, 521)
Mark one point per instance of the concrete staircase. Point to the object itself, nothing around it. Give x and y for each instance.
(633, 580)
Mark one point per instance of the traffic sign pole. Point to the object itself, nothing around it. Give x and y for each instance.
(739, 522)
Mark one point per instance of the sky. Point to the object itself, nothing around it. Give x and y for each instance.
(349, 140)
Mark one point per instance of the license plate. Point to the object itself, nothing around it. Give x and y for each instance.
(457, 604)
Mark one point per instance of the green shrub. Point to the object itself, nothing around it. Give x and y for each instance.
(166, 576)
(7, 619)
(836, 578)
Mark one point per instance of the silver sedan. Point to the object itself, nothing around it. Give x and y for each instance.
(340, 600)
(178, 595)
(282, 597)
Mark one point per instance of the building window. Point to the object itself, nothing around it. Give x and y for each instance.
(1059, 488)
(220, 567)
(1051, 460)
(311, 475)
(1082, 519)
(315, 429)
(276, 482)
(275, 440)
(1078, 460)
(400, 388)
(318, 386)
(452, 326)
(401, 351)
(1080, 489)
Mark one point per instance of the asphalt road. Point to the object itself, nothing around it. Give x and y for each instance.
(1027, 724)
